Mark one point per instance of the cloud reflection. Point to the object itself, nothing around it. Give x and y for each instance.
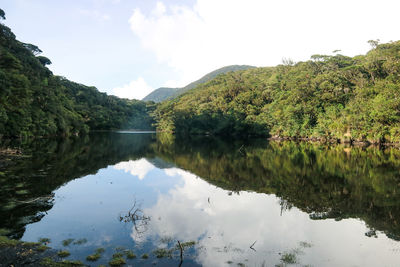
(138, 168)
(226, 225)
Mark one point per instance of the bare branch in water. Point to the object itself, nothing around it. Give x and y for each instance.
(137, 217)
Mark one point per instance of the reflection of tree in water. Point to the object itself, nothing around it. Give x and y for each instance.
(136, 216)
(26, 184)
(326, 181)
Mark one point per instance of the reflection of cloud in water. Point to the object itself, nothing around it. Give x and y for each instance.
(138, 168)
(226, 226)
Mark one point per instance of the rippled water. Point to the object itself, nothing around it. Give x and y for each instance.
(230, 203)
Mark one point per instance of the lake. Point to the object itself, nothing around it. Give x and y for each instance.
(227, 202)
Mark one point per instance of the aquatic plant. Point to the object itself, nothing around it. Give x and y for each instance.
(80, 241)
(93, 257)
(117, 261)
(63, 253)
(44, 240)
(67, 242)
(145, 256)
(129, 254)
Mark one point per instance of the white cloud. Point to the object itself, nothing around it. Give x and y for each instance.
(225, 225)
(211, 34)
(138, 168)
(134, 90)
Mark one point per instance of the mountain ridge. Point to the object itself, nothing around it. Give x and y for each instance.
(166, 93)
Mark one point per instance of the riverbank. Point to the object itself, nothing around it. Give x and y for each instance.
(351, 142)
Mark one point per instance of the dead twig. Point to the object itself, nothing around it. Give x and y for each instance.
(181, 248)
(253, 245)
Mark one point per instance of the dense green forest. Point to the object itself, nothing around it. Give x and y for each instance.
(328, 97)
(34, 102)
(167, 93)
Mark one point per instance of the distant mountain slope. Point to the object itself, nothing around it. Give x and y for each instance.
(165, 93)
(160, 94)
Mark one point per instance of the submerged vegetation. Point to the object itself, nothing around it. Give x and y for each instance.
(19, 252)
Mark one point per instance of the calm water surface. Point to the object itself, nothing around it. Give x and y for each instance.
(231, 203)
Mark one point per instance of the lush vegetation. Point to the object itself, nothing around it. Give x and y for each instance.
(34, 102)
(165, 93)
(329, 97)
(160, 94)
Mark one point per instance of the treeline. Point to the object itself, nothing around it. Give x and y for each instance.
(34, 102)
(328, 97)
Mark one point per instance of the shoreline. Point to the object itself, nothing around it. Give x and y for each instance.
(334, 141)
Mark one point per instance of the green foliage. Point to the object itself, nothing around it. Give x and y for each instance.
(327, 97)
(145, 256)
(44, 240)
(165, 93)
(160, 94)
(34, 102)
(42, 248)
(65, 263)
(119, 261)
(80, 241)
(67, 242)
(100, 250)
(5, 242)
(93, 257)
(63, 253)
(2, 14)
(44, 60)
(130, 255)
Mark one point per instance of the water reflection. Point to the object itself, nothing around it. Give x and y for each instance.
(226, 225)
(138, 168)
(249, 203)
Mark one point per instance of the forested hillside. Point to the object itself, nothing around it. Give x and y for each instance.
(34, 102)
(165, 93)
(327, 97)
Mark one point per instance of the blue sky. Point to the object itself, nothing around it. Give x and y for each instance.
(88, 41)
(130, 47)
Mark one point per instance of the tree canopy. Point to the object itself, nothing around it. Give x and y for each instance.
(327, 97)
(34, 102)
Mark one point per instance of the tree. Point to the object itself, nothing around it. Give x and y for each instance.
(33, 48)
(44, 60)
(2, 14)
(374, 43)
